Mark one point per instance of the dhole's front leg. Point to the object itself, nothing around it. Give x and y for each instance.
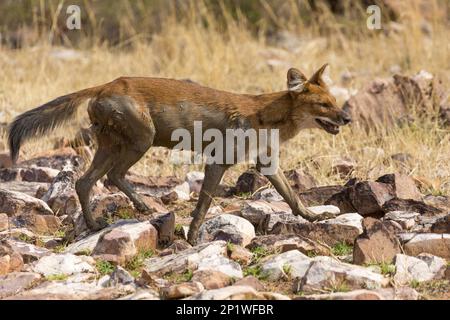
(281, 184)
(213, 175)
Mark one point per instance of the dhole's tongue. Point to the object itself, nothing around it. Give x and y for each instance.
(328, 126)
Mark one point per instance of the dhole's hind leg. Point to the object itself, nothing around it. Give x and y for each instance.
(124, 161)
(101, 164)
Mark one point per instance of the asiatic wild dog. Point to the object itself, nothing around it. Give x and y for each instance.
(129, 115)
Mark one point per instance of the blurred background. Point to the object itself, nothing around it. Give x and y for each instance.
(242, 46)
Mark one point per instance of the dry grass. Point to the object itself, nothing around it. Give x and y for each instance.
(236, 60)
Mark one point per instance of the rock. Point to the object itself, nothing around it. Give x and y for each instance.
(15, 282)
(142, 294)
(154, 204)
(442, 225)
(285, 242)
(386, 101)
(67, 264)
(291, 264)
(250, 281)
(410, 205)
(165, 225)
(378, 244)
(319, 195)
(234, 293)
(151, 186)
(342, 201)
(42, 224)
(177, 246)
(329, 210)
(229, 228)
(29, 252)
(212, 279)
(114, 246)
(32, 189)
(119, 276)
(325, 272)
(29, 174)
(13, 203)
(403, 186)
(361, 294)
(407, 220)
(343, 229)
(368, 197)
(10, 261)
(55, 159)
(343, 167)
(181, 290)
(56, 290)
(423, 268)
(183, 191)
(5, 160)
(169, 198)
(269, 195)
(399, 293)
(300, 181)
(61, 195)
(249, 182)
(220, 263)
(195, 180)
(142, 234)
(184, 260)
(4, 221)
(435, 244)
(240, 255)
(107, 205)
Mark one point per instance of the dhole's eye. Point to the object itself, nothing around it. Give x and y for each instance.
(325, 105)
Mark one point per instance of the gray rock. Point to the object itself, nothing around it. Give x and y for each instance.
(424, 267)
(15, 282)
(64, 264)
(290, 264)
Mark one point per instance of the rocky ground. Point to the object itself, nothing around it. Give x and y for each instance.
(382, 239)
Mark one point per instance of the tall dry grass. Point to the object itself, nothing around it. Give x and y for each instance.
(229, 55)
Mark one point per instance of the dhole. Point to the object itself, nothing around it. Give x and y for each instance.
(129, 115)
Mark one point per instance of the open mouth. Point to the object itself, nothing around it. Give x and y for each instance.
(328, 126)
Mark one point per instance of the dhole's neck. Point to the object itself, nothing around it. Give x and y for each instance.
(274, 111)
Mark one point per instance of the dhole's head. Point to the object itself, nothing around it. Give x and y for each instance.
(314, 105)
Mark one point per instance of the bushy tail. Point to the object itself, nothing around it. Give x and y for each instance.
(45, 118)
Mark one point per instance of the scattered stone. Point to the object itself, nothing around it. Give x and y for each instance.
(165, 225)
(368, 197)
(184, 260)
(29, 174)
(4, 221)
(250, 281)
(177, 246)
(32, 189)
(291, 264)
(169, 198)
(143, 235)
(114, 246)
(378, 244)
(398, 293)
(343, 229)
(119, 276)
(183, 191)
(15, 282)
(410, 205)
(325, 272)
(151, 186)
(343, 167)
(212, 279)
(55, 159)
(361, 294)
(220, 263)
(229, 228)
(249, 182)
(424, 267)
(13, 203)
(57, 290)
(285, 242)
(235, 293)
(181, 290)
(10, 261)
(61, 195)
(64, 264)
(299, 180)
(269, 195)
(403, 186)
(39, 223)
(240, 255)
(319, 195)
(342, 201)
(442, 225)
(407, 220)
(5, 160)
(433, 243)
(29, 252)
(142, 294)
(195, 180)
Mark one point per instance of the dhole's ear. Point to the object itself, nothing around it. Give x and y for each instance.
(295, 80)
(317, 77)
